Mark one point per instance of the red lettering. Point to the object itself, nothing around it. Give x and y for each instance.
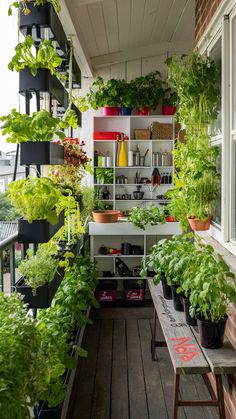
(188, 357)
(187, 351)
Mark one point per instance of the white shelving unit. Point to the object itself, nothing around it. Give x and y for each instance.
(118, 191)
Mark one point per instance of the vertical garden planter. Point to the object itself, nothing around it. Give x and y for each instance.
(39, 231)
(41, 153)
(44, 294)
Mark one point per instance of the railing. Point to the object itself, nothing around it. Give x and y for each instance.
(8, 244)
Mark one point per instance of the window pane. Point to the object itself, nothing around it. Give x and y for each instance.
(215, 55)
(216, 213)
(234, 194)
(234, 73)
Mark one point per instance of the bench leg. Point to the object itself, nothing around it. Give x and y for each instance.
(154, 327)
(220, 395)
(176, 396)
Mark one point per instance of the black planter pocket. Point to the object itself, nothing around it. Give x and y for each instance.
(41, 153)
(166, 289)
(177, 300)
(211, 334)
(39, 231)
(44, 294)
(191, 321)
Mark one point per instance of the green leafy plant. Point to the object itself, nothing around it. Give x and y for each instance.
(25, 3)
(148, 90)
(7, 211)
(37, 199)
(38, 269)
(46, 57)
(140, 217)
(104, 176)
(195, 78)
(170, 97)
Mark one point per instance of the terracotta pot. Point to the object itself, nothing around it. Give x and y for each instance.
(106, 216)
(199, 225)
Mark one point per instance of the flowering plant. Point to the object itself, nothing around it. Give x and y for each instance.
(74, 152)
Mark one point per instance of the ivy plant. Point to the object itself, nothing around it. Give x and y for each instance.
(44, 57)
(140, 217)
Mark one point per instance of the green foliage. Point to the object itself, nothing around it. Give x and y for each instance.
(7, 211)
(140, 217)
(56, 4)
(38, 269)
(37, 199)
(104, 176)
(195, 78)
(170, 97)
(148, 90)
(46, 57)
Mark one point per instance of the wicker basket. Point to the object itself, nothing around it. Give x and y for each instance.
(162, 131)
(142, 134)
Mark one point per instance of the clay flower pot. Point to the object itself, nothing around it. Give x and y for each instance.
(199, 225)
(106, 216)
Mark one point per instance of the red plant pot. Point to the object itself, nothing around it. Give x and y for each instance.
(144, 111)
(110, 110)
(168, 110)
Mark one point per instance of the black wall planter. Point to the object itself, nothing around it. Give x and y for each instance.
(43, 82)
(41, 153)
(39, 231)
(43, 17)
(44, 294)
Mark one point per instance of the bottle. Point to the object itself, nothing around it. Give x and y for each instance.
(105, 193)
(122, 156)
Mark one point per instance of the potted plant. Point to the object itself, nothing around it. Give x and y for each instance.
(104, 176)
(127, 97)
(148, 92)
(40, 202)
(169, 102)
(212, 291)
(140, 217)
(37, 3)
(41, 277)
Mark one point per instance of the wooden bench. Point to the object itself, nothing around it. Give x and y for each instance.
(187, 355)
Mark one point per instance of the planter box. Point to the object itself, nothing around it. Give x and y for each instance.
(41, 153)
(41, 18)
(134, 294)
(43, 82)
(44, 294)
(39, 231)
(106, 291)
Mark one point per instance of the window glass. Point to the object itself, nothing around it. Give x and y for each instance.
(216, 212)
(215, 55)
(234, 73)
(233, 232)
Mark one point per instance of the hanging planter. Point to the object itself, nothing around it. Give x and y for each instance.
(41, 153)
(40, 231)
(44, 293)
(199, 225)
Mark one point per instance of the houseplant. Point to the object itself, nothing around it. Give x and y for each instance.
(212, 291)
(169, 101)
(140, 217)
(55, 3)
(104, 176)
(148, 92)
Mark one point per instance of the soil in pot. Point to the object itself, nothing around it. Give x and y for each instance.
(177, 300)
(211, 334)
(166, 288)
(199, 225)
(191, 321)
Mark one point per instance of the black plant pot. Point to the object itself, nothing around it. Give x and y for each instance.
(41, 153)
(39, 231)
(177, 300)
(166, 289)
(43, 82)
(211, 334)
(191, 321)
(44, 294)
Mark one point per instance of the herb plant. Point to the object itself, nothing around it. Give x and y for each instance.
(46, 57)
(104, 176)
(140, 217)
(38, 269)
(148, 90)
(36, 199)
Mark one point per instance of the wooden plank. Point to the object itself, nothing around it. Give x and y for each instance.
(137, 390)
(221, 361)
(81, 401)
(185, 352)
(116, 313)
(119, 388)
(133, 69)
(102, 384)
(155, 394)
(123, 11)
(109, 8)
(98, 27)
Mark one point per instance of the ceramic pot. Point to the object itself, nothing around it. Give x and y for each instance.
(105, 216)
(110, 110)
(125, 111)
(168, 110)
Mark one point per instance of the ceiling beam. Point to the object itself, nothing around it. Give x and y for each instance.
(80, 54)
(138, 52)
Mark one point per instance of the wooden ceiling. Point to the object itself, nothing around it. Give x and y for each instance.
(112, 31)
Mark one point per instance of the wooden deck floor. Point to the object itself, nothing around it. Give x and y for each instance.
(118, 380)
